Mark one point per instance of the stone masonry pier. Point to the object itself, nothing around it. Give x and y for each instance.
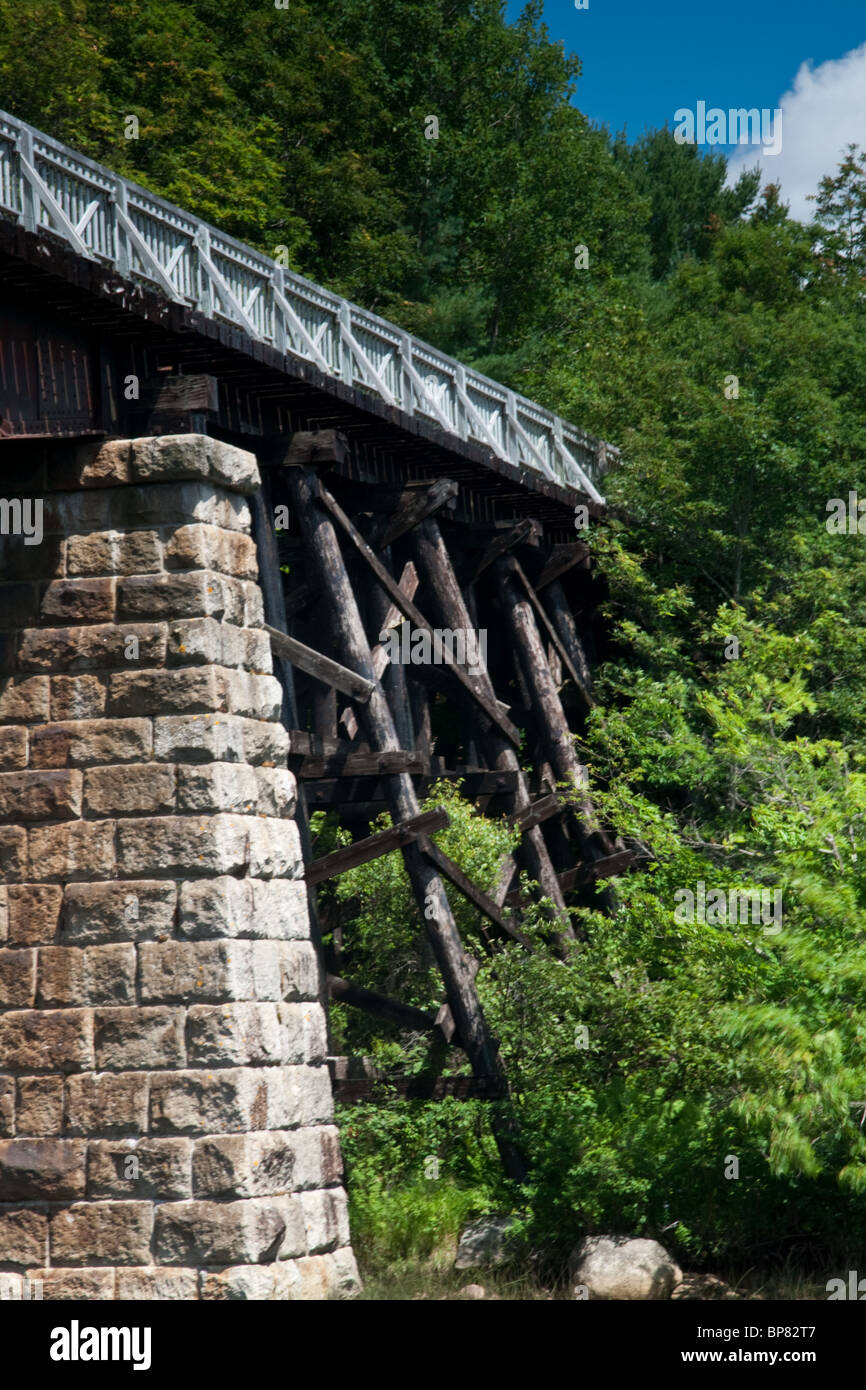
(166, 1119)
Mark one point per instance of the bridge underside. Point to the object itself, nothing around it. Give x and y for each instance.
(76, 340)
(488, 546)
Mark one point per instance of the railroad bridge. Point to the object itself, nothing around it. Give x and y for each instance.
(237, 485)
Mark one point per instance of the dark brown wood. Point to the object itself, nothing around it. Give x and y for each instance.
(550, 717)
(524, 532)
(475, 895)
(489, 707)
(561, 559)
(316, 449)
(419, 708)
(438, 575)
(270, 581)
(559, 645)
(359, 796)
(537, 812)
(374, 846)
(324, 699)
(298, 597)
(360, 764)
(379, 1005)
(562, 618)
(319, 666)
(423, 502)
(507, 870)
(329, 571)
(351, 1090)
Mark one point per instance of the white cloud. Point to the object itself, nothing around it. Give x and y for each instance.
(824, 111)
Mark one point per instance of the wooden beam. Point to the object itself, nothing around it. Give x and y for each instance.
(559, 611)
(374, 846)
(470, 890)
(538, 812)
(349, 1090)
(434, 565)
(561, 559)
(316, 449)
(298, 597)
(408, 609)
(583, 875)
(409, 587)
(329, 571)
(270, 579)
(361, 764)
(379, 1005)
(350, 792)
(423, 502)
(517, 535)
(526, 641)
(321, 667)
(507, 870)
(563, 653)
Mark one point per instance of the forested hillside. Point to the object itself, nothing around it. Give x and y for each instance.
(721, 345)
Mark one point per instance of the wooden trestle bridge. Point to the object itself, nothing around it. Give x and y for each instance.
(416, 490)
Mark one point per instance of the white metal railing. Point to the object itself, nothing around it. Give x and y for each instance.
(44, 185)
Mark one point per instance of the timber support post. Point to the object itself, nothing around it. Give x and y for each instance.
(328, 566)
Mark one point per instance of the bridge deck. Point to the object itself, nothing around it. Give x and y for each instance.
(138, 252)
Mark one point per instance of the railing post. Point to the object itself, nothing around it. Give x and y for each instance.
(122, 250)
(345, 317)
(460, 414)
(205, 297)
(29, 200)
(407, 395)
(281, 328)
(562, 467)
(512, 443)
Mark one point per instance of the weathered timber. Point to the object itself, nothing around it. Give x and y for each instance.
(423, 502)
(359, 796)
(351, 1090)
(563, 620)
(379, 1005)
(507, 870)
(324, 701)
(270, 580)
(561, 559)
(360, 764)
(537, 812)
(328, 567)
(550, 717)
(488, 707)
(560, 647)
(470, 890)
(321, 667)
(392, 674)
(316, 449)
(524, 532)
(419, 708)
(434, 564)
(602, 868)
(171, 403)
(299, 597)
(388, 615)
(374, 846)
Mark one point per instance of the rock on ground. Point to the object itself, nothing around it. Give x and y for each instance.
(623, 1267)
(485, 1243)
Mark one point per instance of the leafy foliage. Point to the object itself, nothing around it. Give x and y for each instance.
(721, 344)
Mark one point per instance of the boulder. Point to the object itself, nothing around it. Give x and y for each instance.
(486, 1243)
(622, 1267)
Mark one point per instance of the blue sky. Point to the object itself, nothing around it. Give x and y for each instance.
(643, 61)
